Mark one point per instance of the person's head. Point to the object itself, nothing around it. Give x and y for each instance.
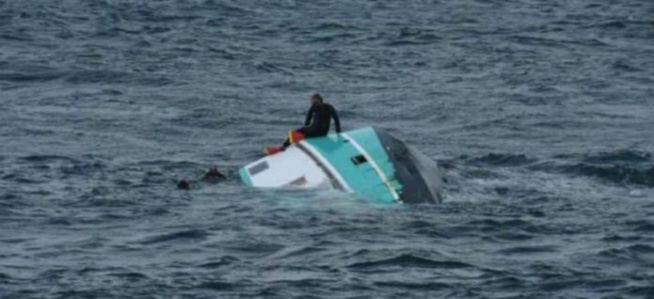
(316, 98)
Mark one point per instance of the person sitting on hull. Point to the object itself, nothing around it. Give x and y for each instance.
(316, 124)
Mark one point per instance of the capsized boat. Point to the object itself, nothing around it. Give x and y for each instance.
(369, 162)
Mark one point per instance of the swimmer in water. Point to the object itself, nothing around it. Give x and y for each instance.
(213, 175)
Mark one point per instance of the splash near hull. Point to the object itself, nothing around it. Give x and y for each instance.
(369, 162)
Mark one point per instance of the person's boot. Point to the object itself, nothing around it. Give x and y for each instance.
(271, 150)
(295, 136)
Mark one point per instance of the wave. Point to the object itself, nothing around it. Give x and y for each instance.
(410, 261)
(528, 250)
(607, 284)
(623, 238)
(158, 169)
(505, 282)
(641, 291)
(619, 156)
(535, 41)
(217, 285)
(18, 178)
(224, 261)
(641, 226)
(413, 36)
(623, 65)
(83, 77)
(183, 235)
(47, 158)
(494, 225)
(412, 285)
(514, 236)
(612, 25)
(129, 275)
(560, 284)
(114, 77)
(495, 159)
(636, 253)
(30, 77)
(613, 173)
(617, 167)
(641, 248)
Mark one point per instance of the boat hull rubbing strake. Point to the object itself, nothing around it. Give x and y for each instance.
(369, 162)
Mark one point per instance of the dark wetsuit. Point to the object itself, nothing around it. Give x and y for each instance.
(317, 121)
(318, 118)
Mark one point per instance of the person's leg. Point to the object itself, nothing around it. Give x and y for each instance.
(304, 131)
(294, 136)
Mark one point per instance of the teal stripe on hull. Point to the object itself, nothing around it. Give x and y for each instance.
(245, 177)
(362, 178)
(367, 138)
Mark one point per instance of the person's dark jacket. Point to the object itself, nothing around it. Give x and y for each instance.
(319, 117)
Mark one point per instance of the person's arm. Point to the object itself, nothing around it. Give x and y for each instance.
(337, 122)
(307, 121)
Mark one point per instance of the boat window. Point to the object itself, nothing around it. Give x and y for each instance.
(359, 159)
(254, 170)
(299, 181)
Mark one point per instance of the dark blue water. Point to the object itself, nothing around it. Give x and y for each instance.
(542, 112)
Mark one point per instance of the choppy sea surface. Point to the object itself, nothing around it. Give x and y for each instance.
(541, 111)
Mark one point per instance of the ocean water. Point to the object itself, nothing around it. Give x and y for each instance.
(542, 113)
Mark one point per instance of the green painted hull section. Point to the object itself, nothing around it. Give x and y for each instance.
(363, 179)
(245, 177)
(368, 139)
